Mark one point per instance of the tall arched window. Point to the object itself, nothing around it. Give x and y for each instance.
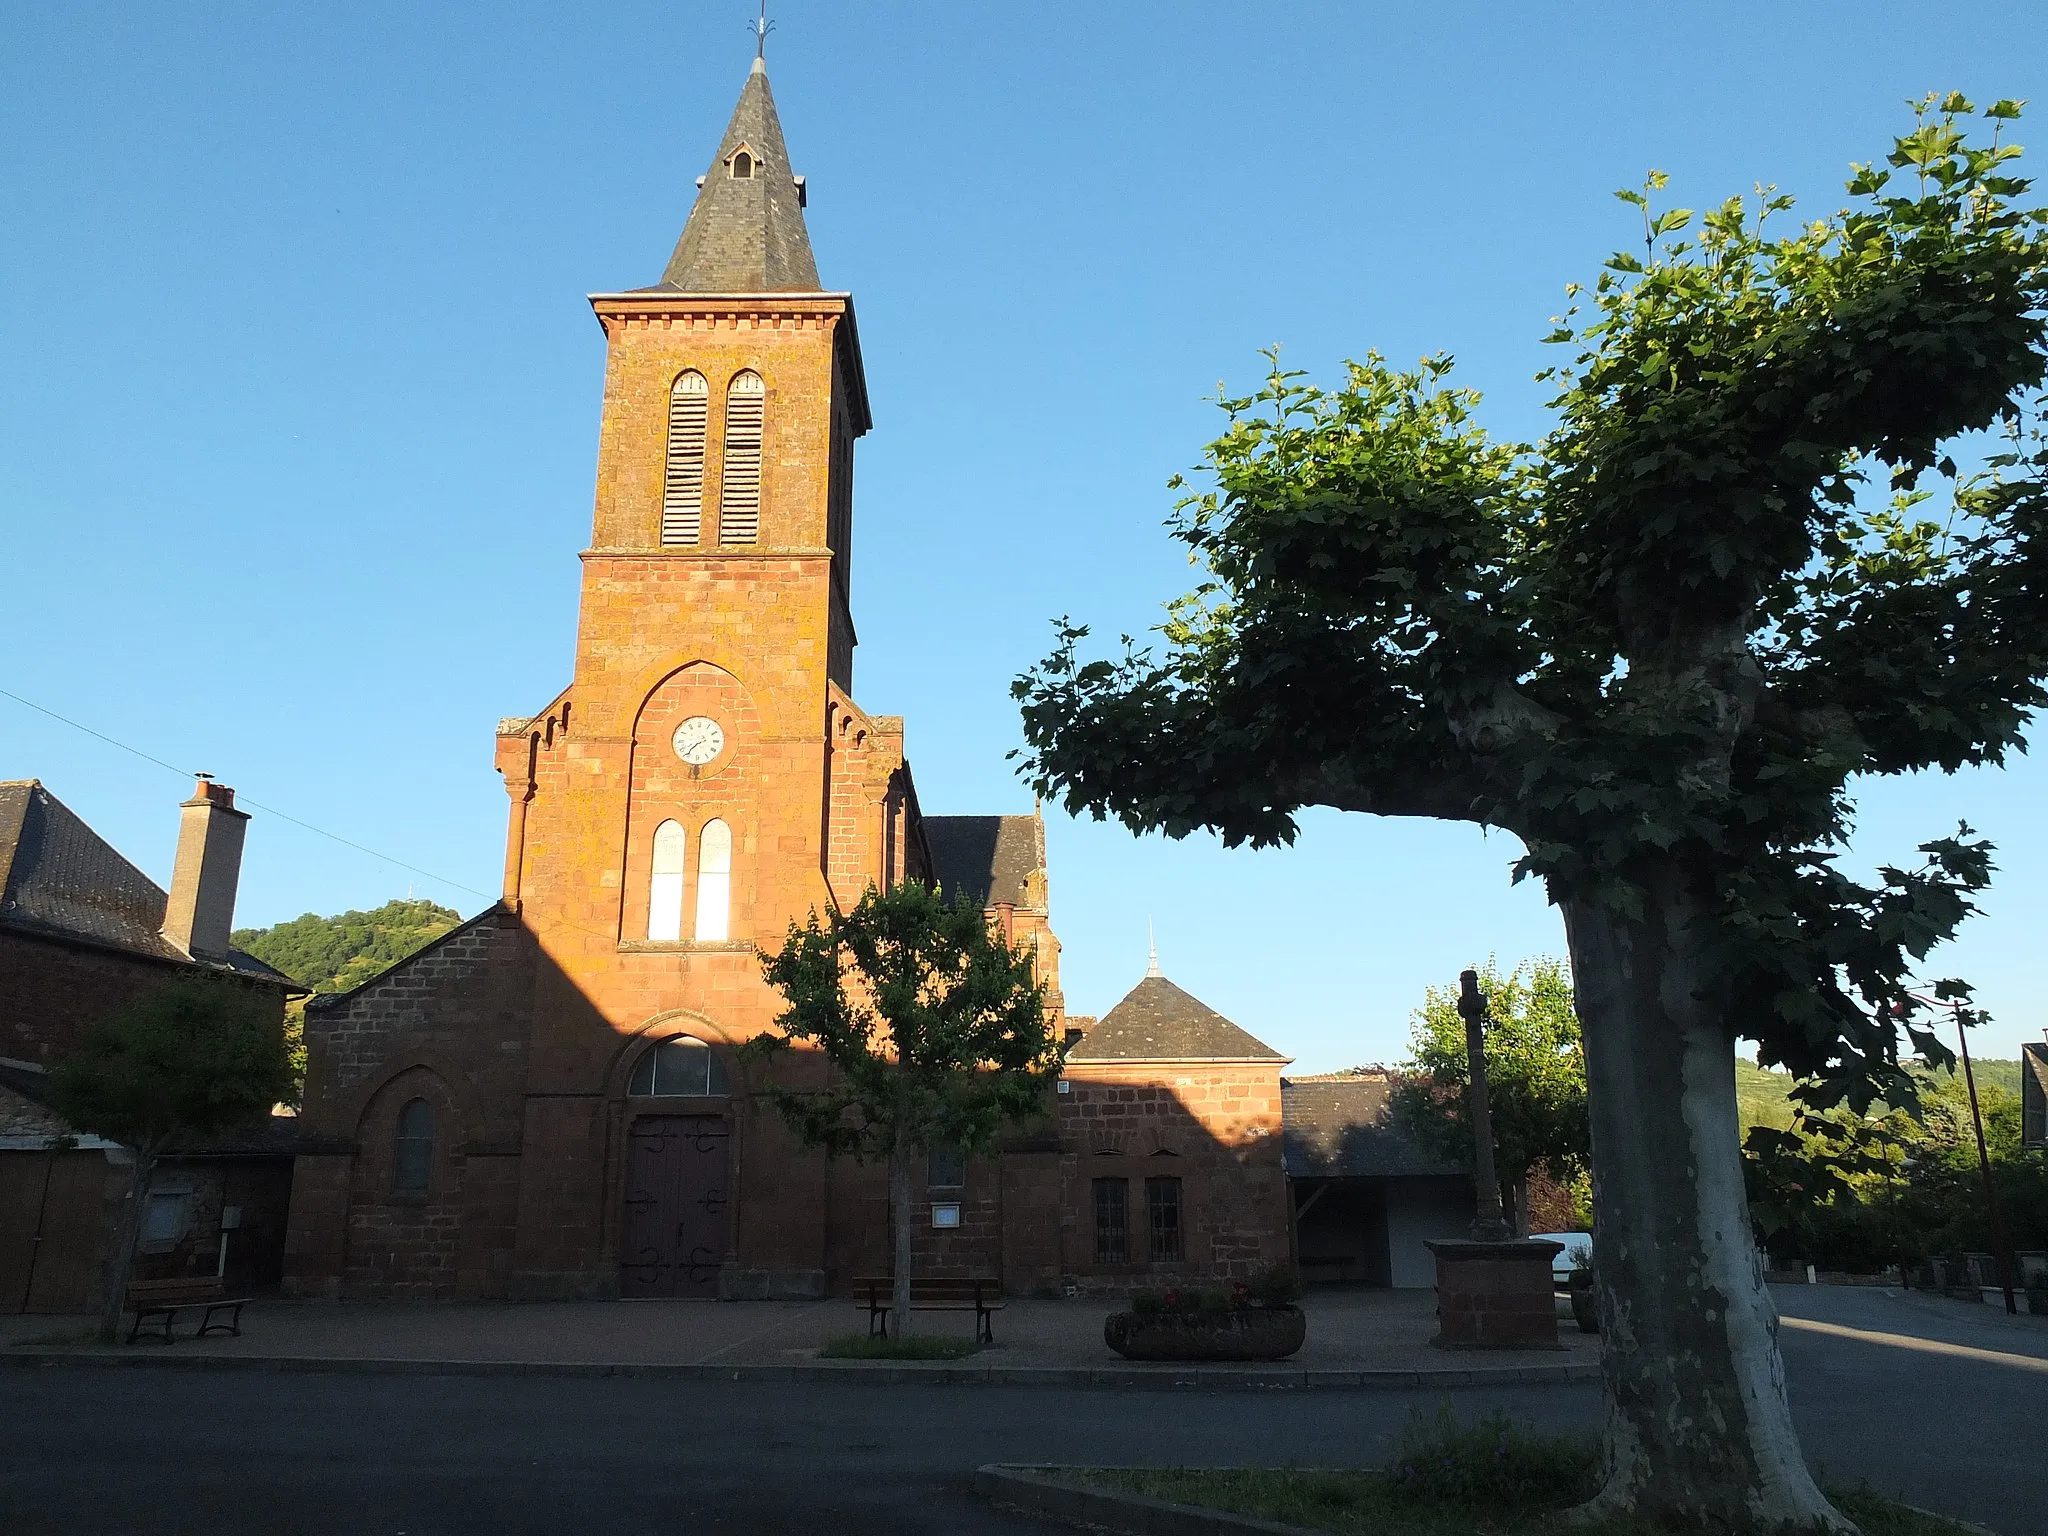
(739, 507)
(665, 887)
(682, 492)
(412, 1168)
(714, 880)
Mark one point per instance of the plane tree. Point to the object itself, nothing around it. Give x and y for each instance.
(1786, 532)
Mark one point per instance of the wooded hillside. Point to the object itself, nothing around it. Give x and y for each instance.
(334, 954)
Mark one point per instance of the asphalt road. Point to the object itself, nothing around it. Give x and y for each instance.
(148, 1453)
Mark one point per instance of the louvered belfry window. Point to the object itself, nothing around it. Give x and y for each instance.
(682, 492)
(739, 510)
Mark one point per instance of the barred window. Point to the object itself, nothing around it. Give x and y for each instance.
(739, 508)
(1162, 1219)
(665, 887)
(682, 491)
(1112, 1229)
(413, 1168)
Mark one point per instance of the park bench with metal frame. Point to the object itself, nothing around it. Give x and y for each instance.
(877, 1293)
(155, 1301)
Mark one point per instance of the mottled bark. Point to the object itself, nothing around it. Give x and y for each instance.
(127, 1233)
(1698, 1431)
(899, 1216)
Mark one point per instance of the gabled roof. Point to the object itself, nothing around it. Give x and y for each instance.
(1343, 1127)
(746, 234)
(987, 858)
(60, 879)
(1157, 1021)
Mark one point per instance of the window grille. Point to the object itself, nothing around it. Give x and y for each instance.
(1162, 1219)
(682, 492)
(739, 508)
(665, 887)
(679, 1068)
(714, 881)
(1112, 1232)
(413, 1167)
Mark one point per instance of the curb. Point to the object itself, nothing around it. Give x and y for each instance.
(1032, 1490)
(1203, 1378)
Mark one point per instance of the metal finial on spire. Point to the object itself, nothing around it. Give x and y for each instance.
(761, 29)
(1152, 949)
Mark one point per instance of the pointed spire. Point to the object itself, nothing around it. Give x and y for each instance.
(1152, 948)
(746, 231)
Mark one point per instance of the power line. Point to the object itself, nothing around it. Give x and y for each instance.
(268, 810)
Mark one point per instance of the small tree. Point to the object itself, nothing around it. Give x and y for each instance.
(1535, 1075)
(935, 1029)
(192, 1059)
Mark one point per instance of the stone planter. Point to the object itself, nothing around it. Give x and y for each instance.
(1257, 1333)
(1585, 1312)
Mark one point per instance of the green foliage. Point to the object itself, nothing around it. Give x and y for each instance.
(1275, 1286)
(197, 1057)
(337, 954)
(1860, 1193)
(1535, 1073)
(1763, 1097)
(1742, 569)
(861, 1346)
(930, 1021)
(1491, 1463)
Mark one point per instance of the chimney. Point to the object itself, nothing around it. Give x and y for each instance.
(201, 910)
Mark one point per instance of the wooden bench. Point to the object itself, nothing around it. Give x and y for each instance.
(878, 1294)
(162, 1300)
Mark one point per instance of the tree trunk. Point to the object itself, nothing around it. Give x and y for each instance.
(899, 1211)
(127, 1232)
(1698, 1430)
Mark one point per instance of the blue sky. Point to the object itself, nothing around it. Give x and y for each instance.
(298, 388)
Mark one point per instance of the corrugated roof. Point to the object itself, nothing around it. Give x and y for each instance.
(1343, 1127)
(61, 879)
(746, 234)
(1157, 1021)
(987, 858)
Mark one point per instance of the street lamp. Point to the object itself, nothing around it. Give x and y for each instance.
(1488, 1225)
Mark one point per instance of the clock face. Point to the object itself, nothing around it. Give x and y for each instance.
(698, 740)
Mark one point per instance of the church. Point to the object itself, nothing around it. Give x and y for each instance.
(546, 1102)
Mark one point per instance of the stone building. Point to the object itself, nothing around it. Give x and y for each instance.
(546, 1102)
(83, 932)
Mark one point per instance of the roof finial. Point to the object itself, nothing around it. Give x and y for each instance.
(761, 29)
(1152, 947)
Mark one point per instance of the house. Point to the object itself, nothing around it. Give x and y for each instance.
(83, 932)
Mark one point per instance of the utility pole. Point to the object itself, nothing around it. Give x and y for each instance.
(1488, 1224)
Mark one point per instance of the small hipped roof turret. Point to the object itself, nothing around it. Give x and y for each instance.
(746, 232)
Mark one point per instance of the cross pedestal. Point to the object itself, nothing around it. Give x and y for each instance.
(1495, 1295)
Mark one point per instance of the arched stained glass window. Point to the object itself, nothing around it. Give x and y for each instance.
(413, 1166)
(682, 491)
(739, 506)
(679, 1068)
(665, 886)
(714, 881)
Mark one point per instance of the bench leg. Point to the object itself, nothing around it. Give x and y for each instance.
(984, 1326)
(143, 1314)
(878, 1321)
(232, 1325)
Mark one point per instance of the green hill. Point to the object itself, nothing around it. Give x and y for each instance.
(333, 954)
(1764, 1097)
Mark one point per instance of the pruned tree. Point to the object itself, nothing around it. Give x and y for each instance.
(935, 1030)
(197, 1057)
(1535, 1076)
(1743, 569)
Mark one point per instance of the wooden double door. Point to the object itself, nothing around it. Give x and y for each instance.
(677, 1205)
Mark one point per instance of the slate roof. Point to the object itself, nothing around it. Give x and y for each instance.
(1342, 1127)
(1157, 1021)
(989, 858)
(61, 879)
(747, 236)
